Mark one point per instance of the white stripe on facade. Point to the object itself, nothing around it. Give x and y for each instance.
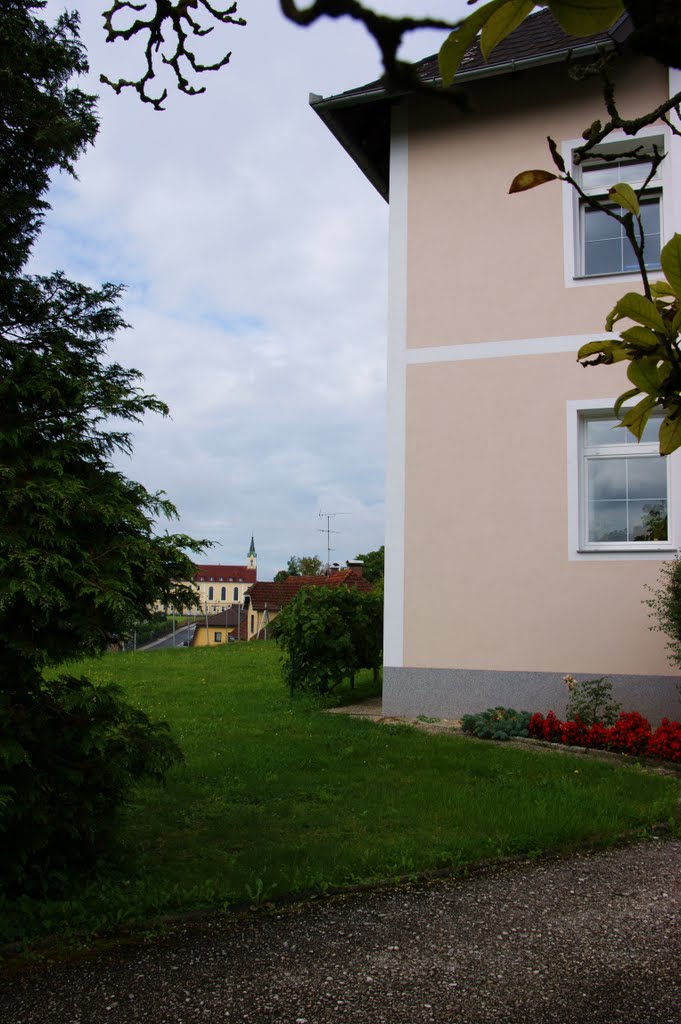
(501, 349)
(393, 632)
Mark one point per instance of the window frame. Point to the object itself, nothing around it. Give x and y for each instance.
(579, 547)
(574, 206)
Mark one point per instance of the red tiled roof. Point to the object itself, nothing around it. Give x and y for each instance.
(225, 574)
(227, 619)
(276, 595)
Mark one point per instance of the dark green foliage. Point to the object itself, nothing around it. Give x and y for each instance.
(374, 564)
(497, 724)
(305, 565)
(328, 634)
(44, 122)
(80, 562)
(70, 753)
(665, 607)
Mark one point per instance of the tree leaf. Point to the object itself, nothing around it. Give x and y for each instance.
(670, 431)
(636, 307)
(635, 419)
(624, 196)
(641, 337)
(530, 179)
(624, 398)
(502, 23)
(457, 42)
(670, 259)
(644, 374)
(676, 323)
(660, 289)
(584, 17)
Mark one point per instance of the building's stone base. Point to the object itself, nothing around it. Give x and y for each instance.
(452, 693)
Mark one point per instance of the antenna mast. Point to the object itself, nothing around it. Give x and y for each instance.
(328, 531)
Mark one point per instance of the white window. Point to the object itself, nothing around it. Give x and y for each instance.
(622, 493)
(596, 246)
(624, 483)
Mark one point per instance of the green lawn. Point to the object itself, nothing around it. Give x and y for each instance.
(276, 798)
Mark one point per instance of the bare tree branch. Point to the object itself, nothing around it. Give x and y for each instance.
(177, 20)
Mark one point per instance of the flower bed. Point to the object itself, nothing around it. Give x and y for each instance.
(631, 734)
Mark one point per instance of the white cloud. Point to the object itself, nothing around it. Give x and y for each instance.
(255, 255)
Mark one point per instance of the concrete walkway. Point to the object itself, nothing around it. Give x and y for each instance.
(593, 938)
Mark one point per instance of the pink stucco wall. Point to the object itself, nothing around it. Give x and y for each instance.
(488, 582)
(484, 265)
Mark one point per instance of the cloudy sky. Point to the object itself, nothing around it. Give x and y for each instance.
(255, 258)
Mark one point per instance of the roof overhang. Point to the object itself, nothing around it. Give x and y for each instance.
(360, 118)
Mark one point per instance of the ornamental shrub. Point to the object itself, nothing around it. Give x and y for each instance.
(666, 741)
(329, 633)
(590, 701)
(70, 756)
(665, 607)
(497, 724)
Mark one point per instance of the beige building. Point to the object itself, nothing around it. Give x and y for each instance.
(219, 587)
(543, 524)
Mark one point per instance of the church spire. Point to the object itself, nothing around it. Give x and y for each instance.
(252, 558)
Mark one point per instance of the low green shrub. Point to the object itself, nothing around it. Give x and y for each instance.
(70, 755)
(497, 724)
(590, 701)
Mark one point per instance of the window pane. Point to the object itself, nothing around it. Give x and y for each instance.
(607, 521)
(603, 431)
(607, 478)
(627, 498)
(606, 247)
(602, 257)
(647, 477)
(647, 520)
(600, 226)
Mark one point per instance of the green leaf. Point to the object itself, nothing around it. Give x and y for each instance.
(640, 337)
(624, 196)
(644, 374)
(612, 351)
(530, 179)
(670, 259)
(456, 44)
(625, 398)
(502, 23)
(670, 432)
(660, 289)
(676, 323)
(584, 17)
(636, 307)
(635, 419)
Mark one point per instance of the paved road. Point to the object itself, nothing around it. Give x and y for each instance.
(593, 939)
(181, 634)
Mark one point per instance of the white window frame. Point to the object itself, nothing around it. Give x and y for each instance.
(572, 207)
(579, 548)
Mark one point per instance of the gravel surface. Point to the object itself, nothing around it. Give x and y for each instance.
(591, 938)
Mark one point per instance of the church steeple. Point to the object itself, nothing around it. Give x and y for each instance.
(252, 558)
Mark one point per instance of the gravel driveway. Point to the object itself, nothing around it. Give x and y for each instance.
(591, 938)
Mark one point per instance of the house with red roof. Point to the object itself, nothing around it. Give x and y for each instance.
(265, 600)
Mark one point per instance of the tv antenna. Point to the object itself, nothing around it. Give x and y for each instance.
(328, 531)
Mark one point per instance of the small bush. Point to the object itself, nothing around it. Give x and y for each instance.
(497, 724)
(70, 754)
(665, 607)
(590, 701)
